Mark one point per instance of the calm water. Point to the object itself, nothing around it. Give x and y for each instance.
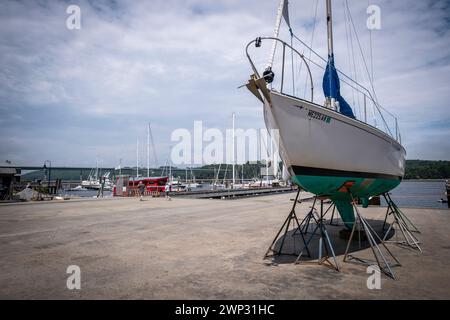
(425, 194)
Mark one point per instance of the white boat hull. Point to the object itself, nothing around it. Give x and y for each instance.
(312, 136)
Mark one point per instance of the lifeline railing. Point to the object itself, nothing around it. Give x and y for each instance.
(348, 81)
(258, 41)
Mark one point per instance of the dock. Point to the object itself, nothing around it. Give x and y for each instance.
(197, 249)
(232, 193)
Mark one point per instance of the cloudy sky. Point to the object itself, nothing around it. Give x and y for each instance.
(74, 96)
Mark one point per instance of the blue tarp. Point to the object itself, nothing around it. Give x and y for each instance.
(331, 88)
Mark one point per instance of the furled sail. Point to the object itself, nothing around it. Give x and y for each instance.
(283, 12)
(331, 88)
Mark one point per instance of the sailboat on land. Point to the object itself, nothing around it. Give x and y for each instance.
(325, 148)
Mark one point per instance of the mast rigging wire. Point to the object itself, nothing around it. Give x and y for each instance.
(369, 94)
(311, 45)
(372, 95)
(367, 69)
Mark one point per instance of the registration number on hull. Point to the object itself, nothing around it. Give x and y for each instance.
(319, 116)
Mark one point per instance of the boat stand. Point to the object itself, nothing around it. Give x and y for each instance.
(291, 219)
(307, 220)
(332, 214)
(324, 239)
(359, 225)
(402, 223)
(304, 225)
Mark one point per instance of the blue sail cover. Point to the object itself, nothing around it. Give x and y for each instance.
(331, 88)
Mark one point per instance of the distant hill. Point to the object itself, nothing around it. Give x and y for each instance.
(427, 169)
(415, 169)
(67, 175)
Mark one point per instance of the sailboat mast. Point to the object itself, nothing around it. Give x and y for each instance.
(137, 157)
(148, 150)
(329, 28)
(96, 169)
(267, 162)
(331, 101)
(233, 152)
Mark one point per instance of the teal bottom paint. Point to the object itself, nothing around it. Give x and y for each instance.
(329, 186)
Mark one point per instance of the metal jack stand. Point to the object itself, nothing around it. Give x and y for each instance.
(332, 214)
(361, 224)
(304, 225)
(291, 218)
(405, 226)
(324, 239)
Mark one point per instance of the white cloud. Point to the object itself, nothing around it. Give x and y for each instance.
(173, 62)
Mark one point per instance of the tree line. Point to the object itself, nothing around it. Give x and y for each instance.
(414, 169)
(427, 169)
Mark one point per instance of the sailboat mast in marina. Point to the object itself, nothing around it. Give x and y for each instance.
(137, 157)
(233, 151)
(326, 149)
(148, 150)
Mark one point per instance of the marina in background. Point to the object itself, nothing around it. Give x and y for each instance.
(426, 193)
